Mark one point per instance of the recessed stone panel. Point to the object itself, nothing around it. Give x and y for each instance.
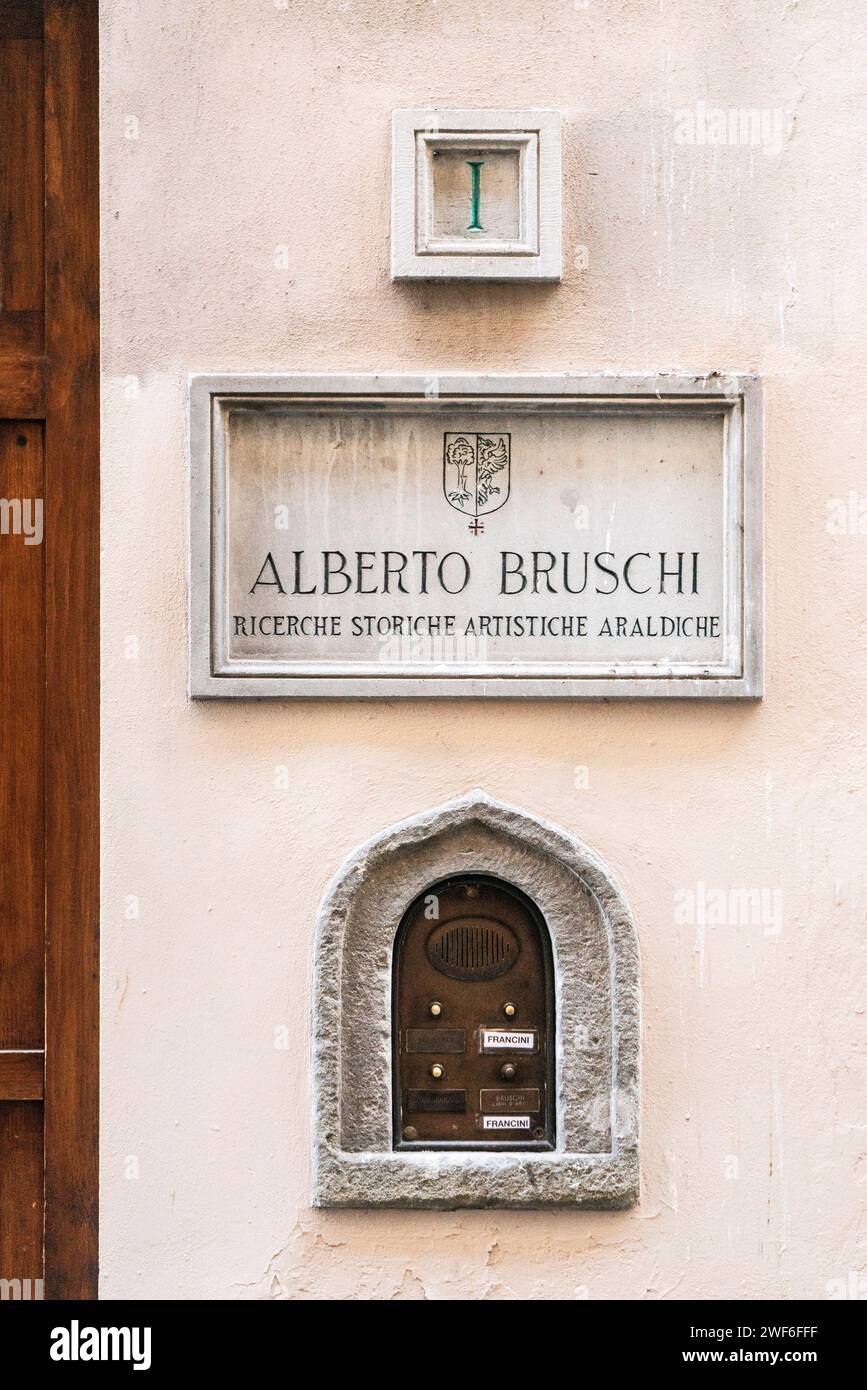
(475, 196)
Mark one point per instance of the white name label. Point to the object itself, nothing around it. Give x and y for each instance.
(505, 1122)
(508, 1040)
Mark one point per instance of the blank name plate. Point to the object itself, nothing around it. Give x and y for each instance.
(436, 1102)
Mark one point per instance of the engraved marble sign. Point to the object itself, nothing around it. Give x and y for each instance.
(475, 536)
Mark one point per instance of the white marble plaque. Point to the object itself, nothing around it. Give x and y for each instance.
(461, 536)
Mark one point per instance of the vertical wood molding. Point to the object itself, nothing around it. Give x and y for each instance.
(72, 657)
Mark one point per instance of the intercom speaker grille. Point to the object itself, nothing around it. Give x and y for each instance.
(473, 948)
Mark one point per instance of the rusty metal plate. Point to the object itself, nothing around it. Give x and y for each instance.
(476, 952)
(436, 1102)
(445, 1040)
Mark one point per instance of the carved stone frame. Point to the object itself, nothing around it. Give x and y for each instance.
(737, 399)
(537, 254)
(596, 981)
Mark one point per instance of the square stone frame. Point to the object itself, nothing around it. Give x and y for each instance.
(540, 256)
(595, 1163)
(737, 398)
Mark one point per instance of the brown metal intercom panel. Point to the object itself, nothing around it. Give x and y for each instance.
(474, 1020)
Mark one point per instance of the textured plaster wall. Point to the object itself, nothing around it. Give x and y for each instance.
(241, 138)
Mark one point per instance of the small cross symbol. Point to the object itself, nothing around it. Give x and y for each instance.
(477, 527)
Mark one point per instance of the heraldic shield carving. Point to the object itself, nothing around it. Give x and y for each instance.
(476, 470)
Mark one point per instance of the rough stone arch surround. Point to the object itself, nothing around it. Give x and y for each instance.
(596, 981)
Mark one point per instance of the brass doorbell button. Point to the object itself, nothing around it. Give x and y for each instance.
(508, 1071)
(437, 1070)
(436, 1008)
(510, 1009)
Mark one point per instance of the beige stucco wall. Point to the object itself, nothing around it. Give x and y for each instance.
(233, 129)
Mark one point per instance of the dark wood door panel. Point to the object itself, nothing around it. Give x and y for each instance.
(72, 648)
(22, 736)
(21, 1194)
(49, 660)
(22, 185)
(22, 1074)
(21, 19)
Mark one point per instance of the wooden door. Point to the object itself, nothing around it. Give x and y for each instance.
(49, 615)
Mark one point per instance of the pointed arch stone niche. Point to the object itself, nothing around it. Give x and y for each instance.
(593, 1157)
